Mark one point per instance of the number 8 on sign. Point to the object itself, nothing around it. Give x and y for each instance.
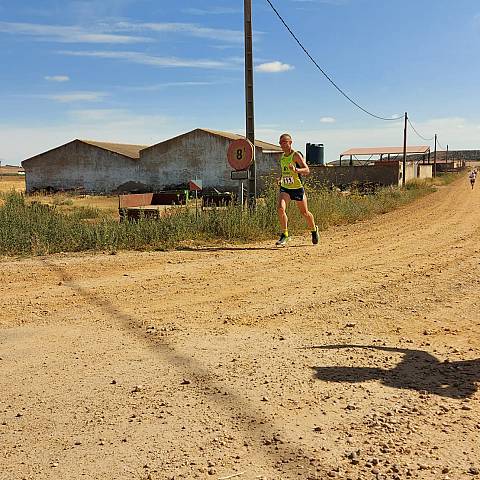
(240, 154)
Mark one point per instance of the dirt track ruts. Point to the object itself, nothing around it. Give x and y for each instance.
(358, 358)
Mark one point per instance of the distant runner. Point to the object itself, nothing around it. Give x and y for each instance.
(472, 177)
(293, 166)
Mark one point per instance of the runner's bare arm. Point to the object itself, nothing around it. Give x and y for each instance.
(299, 160)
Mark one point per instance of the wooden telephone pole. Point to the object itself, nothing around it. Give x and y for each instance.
(404, 162)
(250, 124)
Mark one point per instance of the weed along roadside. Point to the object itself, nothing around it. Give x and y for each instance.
(35, 228)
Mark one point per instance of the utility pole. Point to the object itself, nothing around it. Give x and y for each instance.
(446, 155)
(435, 158)
(250, 124)
(404, 163)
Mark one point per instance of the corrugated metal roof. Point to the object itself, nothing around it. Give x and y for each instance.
(386, 150)
(126, 149)
(234, 136)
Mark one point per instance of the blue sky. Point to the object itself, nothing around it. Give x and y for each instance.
(143, 71)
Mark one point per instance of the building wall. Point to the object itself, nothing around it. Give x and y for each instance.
(168, 165)
(197, 154)
(78, 165)
(410, 172)
(381, 173)
(387, 174)
(424, 171)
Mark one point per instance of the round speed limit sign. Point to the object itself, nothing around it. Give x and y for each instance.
(240, 154)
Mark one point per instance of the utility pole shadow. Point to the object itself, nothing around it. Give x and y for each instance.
(254, 423)
(418, 370)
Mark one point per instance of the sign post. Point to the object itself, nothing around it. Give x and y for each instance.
(240, 156)
(195, 186)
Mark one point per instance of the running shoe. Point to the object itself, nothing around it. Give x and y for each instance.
(282, 241)
(315, 236)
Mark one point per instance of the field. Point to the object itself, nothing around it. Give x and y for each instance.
(46, 224)
(65, 201)
(12, 182)
(355, 359)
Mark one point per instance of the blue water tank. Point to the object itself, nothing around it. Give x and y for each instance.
(315, 154)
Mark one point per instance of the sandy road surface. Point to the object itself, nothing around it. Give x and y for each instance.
(358, 358)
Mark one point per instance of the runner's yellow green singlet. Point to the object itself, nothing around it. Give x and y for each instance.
(289, 179)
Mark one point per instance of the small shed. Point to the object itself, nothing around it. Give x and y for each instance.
(417, 162)
(384, 154)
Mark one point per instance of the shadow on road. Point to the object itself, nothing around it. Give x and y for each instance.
(226, 249)
(251, 419)
(418, 370)
(240, 249)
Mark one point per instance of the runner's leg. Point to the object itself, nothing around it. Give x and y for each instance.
(303, 207)
(283, 199)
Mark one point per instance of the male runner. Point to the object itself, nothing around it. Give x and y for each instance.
(293, 166)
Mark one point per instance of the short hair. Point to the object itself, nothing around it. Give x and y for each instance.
(285, 135)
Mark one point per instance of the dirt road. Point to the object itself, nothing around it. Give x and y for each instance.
(355, 359)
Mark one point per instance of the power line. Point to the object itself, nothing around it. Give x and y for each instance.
(325, 74)
(421, 136)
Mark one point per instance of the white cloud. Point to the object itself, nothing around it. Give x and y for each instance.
(70, 97)
(162, 86)
(93, 9)
(436, 123)
(57, 78)
(119, 119)
(95, 115)
(235, 36)
(327, 120)
(273, 67)
(67, 34)
(106, 125)
(212, 11)
(120, 32)
(142, 58)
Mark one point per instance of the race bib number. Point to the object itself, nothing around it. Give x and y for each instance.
(288, 180)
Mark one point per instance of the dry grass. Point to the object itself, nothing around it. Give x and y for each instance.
(63, 201)
(12, 182)
(67, 203)
(30, 227)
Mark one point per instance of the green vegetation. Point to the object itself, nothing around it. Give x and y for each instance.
(32, 228)
(444, 178)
